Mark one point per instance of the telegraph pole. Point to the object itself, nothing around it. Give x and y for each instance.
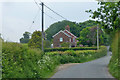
(42, 25)
(97, 37)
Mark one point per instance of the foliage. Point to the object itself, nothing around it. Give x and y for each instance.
(75, 28)
(107, 15)
(114, 67)
(88, 36)
(66, 48)
(35, 41)
(47, 65)
(71, 56)
(65, 44)
(25, 38)
(47, 44)
(19, 61)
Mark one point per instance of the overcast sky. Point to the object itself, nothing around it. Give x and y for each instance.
(17, 17)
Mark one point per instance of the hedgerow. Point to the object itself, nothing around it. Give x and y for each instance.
(71, 56)
(66, 48)
(114, 65)
(19, 61)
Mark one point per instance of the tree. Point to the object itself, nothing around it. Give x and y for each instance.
(25, 38)
(107, 16)
(26, 35)
(83, 39)
(36, 39)
(88, 36)
(47, 44)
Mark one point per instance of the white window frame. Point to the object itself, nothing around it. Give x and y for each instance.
(61, 39)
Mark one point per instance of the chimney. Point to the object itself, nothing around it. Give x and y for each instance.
(67, 28)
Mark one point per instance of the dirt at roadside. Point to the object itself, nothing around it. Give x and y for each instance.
(64, 66)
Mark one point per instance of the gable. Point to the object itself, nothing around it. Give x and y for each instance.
(66, 31)
(61, 32)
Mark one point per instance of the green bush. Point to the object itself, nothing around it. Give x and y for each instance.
(65, 44)
(66, 48)
(19, 61)
(71, 56)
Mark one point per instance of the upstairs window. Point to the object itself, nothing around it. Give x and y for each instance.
(61, 39)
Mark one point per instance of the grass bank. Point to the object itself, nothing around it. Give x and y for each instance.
(114, 65)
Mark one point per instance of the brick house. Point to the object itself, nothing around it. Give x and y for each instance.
(64, 36)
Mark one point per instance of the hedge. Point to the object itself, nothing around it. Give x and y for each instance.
(19, 61)
(66, 48)
(71, 56)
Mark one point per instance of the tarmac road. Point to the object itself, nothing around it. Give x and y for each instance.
(93, 69)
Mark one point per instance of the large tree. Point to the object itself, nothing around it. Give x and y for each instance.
(25, 38)
(108, 16)
(36, 39)
(88, 36)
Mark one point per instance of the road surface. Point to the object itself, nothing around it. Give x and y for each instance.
(92, 69)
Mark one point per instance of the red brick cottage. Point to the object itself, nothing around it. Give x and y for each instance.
(64, 36)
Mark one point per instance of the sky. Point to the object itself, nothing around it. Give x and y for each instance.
(17, 16)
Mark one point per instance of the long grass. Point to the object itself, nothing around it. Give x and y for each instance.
(114, 65)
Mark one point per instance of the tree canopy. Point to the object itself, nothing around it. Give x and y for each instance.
(88, 36)
(25, 38)
(108, 15)
(36, 39)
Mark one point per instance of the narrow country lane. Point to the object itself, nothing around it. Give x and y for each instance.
(92, 69)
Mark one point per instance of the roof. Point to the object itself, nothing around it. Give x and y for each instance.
(62, 32)
(66, 32)
(70, 33)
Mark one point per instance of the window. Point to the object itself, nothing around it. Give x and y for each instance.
(73, 39)
(61, 39)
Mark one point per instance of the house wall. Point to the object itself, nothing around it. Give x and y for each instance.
(73, 44)
(56, 39)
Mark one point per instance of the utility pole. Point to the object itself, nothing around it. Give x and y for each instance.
(42, 25)
(97, 37)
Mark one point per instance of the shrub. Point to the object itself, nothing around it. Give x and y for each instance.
(65, 48)
(65, 44)
(19, 61)
(47, 65)
(71, 56)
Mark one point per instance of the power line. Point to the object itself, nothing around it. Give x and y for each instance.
(53, 11)
(44, 12)
(50, 16)
(34, 19)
